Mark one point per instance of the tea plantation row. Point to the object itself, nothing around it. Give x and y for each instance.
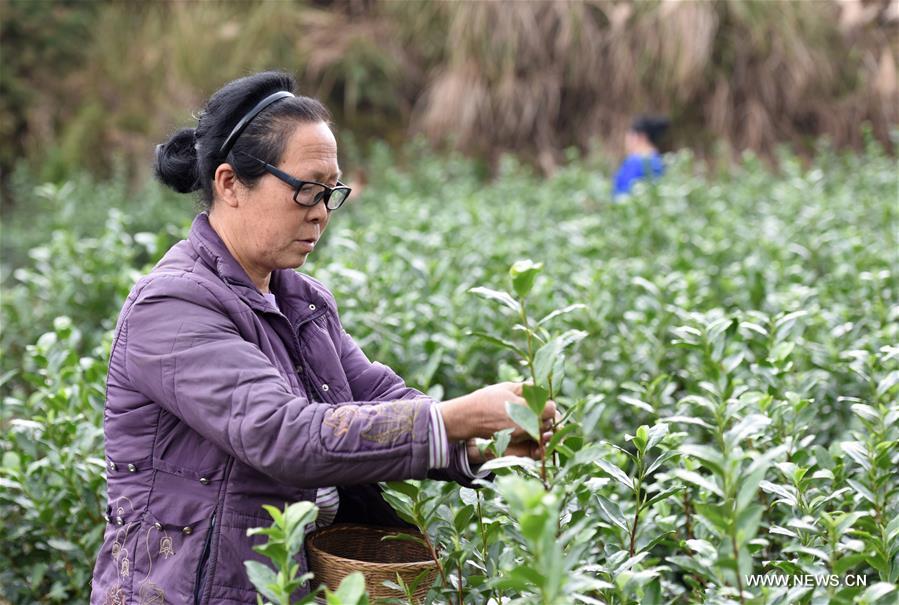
(725, 348)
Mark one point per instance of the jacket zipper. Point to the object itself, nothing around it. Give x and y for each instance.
(312, 391)
(204, 559)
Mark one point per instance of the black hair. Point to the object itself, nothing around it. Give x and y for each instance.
(653, 127)
(188, 160)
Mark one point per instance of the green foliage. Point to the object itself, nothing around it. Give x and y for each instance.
(76, 251)
(52, 476)
(731, 409)
(81, 207)
(285, 539)
(715, 316)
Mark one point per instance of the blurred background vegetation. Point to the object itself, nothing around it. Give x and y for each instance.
(94, 85)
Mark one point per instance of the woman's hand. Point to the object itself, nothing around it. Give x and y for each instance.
(526, 449)
(483, 413)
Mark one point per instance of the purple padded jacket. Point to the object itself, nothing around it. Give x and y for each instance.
(217, 404)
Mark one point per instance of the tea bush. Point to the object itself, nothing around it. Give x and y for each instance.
(723, 346)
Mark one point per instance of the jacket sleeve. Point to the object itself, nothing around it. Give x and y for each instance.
(183, 352)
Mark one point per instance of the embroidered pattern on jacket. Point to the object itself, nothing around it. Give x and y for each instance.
(165, 547)
(340, 419)
(390, 421)
(149, 592)
(116, 594)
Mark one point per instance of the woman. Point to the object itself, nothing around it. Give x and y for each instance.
(643, 159)
(231, 381)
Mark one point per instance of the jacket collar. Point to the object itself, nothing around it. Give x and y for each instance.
(297, 300)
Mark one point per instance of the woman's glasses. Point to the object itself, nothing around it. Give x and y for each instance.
(308, 193)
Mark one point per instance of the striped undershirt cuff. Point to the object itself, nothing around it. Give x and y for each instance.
(439, 448)
(466, 467)
(327, 499)
(438, 444)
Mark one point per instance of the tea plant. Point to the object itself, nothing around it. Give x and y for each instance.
(542, 355)
(285, 539)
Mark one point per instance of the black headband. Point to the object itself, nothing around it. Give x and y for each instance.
(244, 121)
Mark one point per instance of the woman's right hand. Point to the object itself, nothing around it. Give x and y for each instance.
(483, 412)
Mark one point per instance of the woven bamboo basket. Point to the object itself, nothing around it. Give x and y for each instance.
(338, 550)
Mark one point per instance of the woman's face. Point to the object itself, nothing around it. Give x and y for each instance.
(274, 231)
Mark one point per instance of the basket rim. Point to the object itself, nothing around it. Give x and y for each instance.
(341, 527)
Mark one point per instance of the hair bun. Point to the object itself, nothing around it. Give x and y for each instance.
(659, 124)
(176, 162)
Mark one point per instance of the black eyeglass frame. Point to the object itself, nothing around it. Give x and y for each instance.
(297, 184)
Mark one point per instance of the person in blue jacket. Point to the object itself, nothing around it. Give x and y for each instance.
(643, 158)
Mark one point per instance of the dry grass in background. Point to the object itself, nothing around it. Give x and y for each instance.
(485, 77)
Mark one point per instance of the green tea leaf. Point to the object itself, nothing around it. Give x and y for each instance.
(663, 494)
(500, 342)
(748, 521)
(502, 297)
(876, 592)
(548, 355)
(699, 480)
(656, 434)
(524, 417)
(412, 489)
(523, 274)
(501, 440)
(747, 427)
(351, 590)
(710, 458)
(264, 580)
(616, 473)
(560, 312)
(641, 437)
(61, 545)
(536, 398)
(611, 512)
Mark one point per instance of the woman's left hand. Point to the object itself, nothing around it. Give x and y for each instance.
(526, 449)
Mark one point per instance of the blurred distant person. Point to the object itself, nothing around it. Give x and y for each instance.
(643, 158)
